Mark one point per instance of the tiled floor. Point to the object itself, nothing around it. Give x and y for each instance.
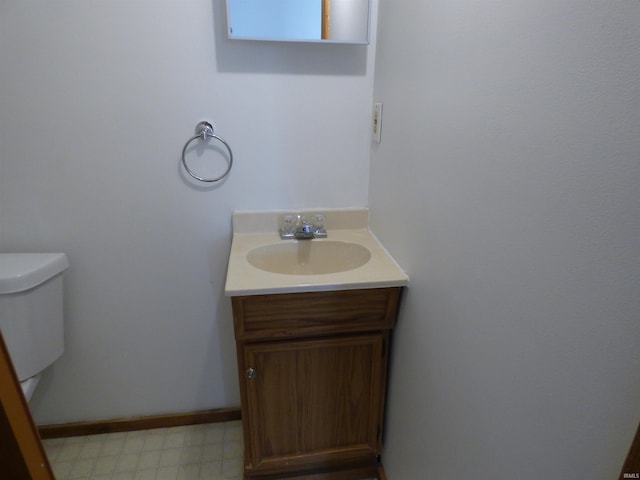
(210, 451)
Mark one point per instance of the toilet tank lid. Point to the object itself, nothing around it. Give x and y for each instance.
(22, 271)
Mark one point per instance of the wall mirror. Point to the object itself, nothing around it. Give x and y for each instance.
(322, 21)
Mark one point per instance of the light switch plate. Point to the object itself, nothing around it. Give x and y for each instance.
(377, 122)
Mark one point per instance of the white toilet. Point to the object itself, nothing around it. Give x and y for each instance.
(31, 317)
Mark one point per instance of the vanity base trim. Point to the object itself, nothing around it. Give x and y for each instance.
(351, 474)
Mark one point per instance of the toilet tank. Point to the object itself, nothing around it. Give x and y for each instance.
(31, 312)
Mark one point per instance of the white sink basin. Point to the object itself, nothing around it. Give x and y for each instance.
(309, 257)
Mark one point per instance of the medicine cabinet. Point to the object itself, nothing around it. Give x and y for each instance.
(321, 21)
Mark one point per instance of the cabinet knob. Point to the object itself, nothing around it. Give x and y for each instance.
(250, 373)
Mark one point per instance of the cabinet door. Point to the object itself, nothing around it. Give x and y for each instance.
(314, 404)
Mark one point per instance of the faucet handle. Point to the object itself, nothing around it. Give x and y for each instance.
(318, 226)
(287, 226)
(318, 220)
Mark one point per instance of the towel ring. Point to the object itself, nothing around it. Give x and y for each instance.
(204, 130)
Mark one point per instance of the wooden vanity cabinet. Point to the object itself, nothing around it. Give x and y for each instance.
(313, 370)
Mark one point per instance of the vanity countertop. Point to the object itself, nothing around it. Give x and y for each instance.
(347, 226)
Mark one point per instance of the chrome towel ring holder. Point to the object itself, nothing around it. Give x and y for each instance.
(204, 131)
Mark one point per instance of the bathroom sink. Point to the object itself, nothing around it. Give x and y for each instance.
(309, 257)
(260, 263)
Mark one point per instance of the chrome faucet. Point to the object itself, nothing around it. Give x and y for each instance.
(297, 227)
